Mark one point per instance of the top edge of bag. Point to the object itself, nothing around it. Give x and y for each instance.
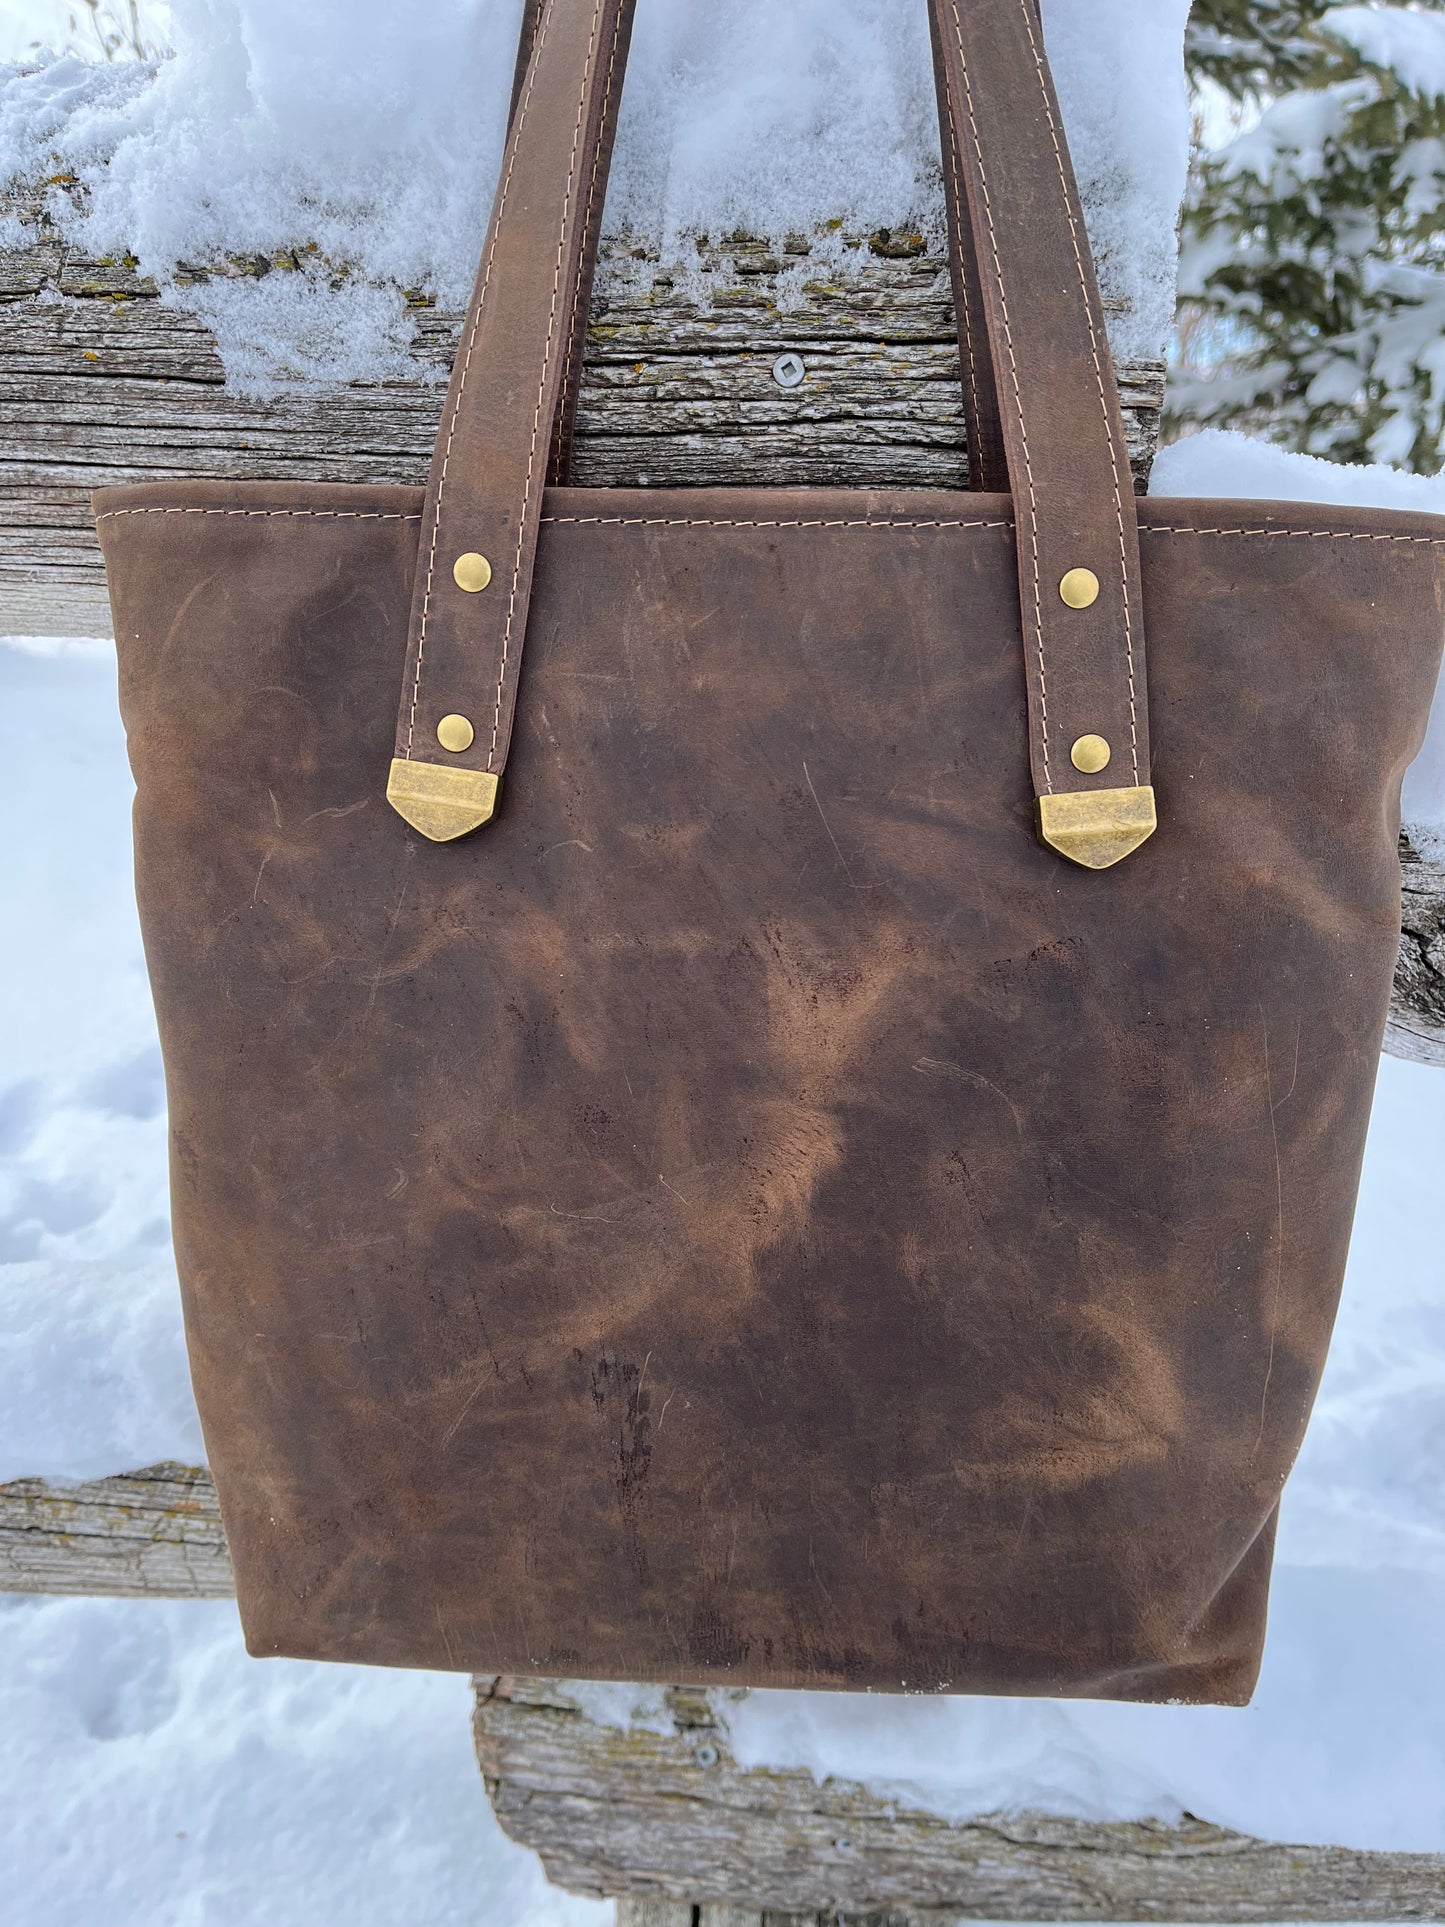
(1199, 515)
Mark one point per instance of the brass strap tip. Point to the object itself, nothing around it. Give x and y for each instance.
(1097, 828)
(442, 803)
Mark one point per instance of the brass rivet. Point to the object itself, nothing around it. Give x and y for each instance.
(455, 733)
(1080, 588)
(472, 572)
(1090, 754)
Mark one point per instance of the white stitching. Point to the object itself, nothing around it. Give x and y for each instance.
(1018, 396)
(331, 515)
(1098, 373)
(571, 373)
(707, 522)
(514, 143)
(542, 386)
(1333, 535)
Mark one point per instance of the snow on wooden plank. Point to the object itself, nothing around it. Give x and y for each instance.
(671, 1821)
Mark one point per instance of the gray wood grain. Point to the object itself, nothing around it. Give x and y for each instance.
(154, 1534)
(1417, 1007)
(669, 1820)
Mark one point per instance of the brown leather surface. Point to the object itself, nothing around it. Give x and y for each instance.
(1029, 317)
(754, 1214)
(983, 429)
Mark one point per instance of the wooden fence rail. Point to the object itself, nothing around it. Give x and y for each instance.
(102, 382)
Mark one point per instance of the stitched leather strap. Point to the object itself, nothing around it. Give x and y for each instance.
(484, 494)
(560, 463)
(983, 424)
(1062, 427)
(1062, 433)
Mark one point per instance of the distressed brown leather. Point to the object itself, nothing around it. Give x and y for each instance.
(752, 1213)
(1058, 406)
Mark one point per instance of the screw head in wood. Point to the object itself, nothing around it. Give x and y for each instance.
(456, 734)
(1080, 588)
(472, 572)
(789, 370)
(1090, 754)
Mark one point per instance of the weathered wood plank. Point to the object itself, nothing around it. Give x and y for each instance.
(100, 382)
(1417, 1008)
(632, 1912)
(154, 1534)
(670, 1820)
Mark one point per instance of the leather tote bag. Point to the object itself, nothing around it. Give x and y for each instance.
(767, 1085)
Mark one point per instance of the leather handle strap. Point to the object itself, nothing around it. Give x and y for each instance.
(1062, 433)
(564, 428)
(484, 494)
(983, 421)
(526, 40)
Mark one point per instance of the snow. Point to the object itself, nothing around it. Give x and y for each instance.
(375, 132)
(1219, 462)
(1341, 1746)
(154, 1776)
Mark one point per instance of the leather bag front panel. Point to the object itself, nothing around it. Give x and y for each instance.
(754, 1214)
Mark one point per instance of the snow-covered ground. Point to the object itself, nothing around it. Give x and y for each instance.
(153, 1776)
